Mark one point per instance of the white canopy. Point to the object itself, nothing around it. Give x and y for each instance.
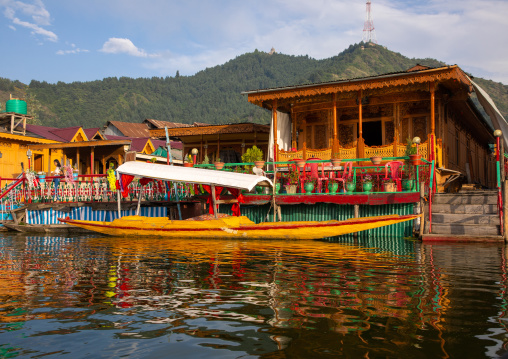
(193, 175)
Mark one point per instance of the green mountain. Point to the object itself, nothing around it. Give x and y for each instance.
(212, 95)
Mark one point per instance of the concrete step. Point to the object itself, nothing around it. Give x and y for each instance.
(464, 229)
(464, 208)
(484, 197)
(454, 218)
(443, 238)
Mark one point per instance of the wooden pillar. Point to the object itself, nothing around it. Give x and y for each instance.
(119, 158)
(432, 141)
(360, 146)
(201, 150)
(335, 146)
(294, 129)
(275, 145)
(78, 165)
(92, 160)
(49, 161)
(103, 161)
(218, 148)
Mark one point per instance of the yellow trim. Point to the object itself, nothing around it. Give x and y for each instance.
(150, 149)
(79, 132)
(25, 138)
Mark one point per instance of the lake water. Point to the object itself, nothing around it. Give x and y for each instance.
(90, 297)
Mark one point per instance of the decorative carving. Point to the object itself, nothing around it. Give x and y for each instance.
(346, 133)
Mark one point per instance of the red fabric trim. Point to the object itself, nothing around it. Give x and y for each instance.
(126, 180)
(235, 208)
(209, 201)
(144, 181)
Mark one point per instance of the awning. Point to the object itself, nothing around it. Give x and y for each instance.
(193, 175)
(489, 106)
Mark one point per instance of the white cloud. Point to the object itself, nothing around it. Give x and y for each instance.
(116, 45)
(37, 15)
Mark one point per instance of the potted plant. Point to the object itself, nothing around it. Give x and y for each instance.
(350, 186)
(367, 183)
(309, 185)
(188, 161)
(389, 185)
(333, 186)
(336, 160)
(376, 159)
(291, 180)
(415, 158)
(218, 164)
(253, 155)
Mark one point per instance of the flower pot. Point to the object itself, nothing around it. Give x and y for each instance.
(75, 176)
(389, 187)
(415, 160)
(407, 184)
(376, 160)
(259, 164)
(189, 164)
(336, 162)
(42, 178)
(308, 187)
(300, 163)
(367, 187)
(259, 189)
(219, 165)
(333, 187)
(350, 187)
(290, 189)
(277, 188)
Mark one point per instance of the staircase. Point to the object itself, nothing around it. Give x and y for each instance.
(464, 215)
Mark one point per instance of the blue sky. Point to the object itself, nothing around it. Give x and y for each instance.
(76, 40)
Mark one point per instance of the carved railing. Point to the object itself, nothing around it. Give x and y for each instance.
(383, 151)
(324, 154)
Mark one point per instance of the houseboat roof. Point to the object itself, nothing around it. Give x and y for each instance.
(207, 129)
(193, 175)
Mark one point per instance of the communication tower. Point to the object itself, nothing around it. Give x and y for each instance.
(369, 35)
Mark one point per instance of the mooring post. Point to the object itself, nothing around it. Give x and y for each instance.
(505, 210)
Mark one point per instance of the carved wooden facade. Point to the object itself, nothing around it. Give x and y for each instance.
(376, 115)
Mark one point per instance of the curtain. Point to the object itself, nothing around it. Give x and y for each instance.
(235, 208)
(125, 180)
(283, 134)
(209, 201)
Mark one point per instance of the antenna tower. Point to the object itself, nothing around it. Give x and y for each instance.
(369, 34)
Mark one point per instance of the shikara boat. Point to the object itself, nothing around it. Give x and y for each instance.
(215, 226)
(234, 227)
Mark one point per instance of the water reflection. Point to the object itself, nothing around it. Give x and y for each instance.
(108, 297)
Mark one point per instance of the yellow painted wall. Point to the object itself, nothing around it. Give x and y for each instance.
(14, 148)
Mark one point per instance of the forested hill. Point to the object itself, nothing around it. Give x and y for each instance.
(210, 96)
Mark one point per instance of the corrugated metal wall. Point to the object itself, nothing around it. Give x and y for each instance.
(329, 211)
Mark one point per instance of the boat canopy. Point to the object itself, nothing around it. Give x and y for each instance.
(193, 175)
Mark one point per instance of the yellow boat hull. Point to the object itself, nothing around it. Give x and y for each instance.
(234, 227)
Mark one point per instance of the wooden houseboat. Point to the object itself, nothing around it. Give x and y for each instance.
(374, 116)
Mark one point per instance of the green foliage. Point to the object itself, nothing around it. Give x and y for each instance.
(210, 96)
(252, 154)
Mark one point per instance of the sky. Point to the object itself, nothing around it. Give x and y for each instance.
(76, 40)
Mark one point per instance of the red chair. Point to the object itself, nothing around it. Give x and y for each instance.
(395, 172)
(347, 174)
(313, 169)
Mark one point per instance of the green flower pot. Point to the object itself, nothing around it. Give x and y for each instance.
(407, 184)
(333, 187)
(367, 187)
(308, 187)
(350, 187)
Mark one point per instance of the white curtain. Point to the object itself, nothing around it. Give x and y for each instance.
(283, 134)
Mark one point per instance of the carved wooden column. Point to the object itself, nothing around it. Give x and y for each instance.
(77, 160)
(92, 160)
(432, 136)
(293, 129)
(274, 116)
(335, 147)
(360, 149)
